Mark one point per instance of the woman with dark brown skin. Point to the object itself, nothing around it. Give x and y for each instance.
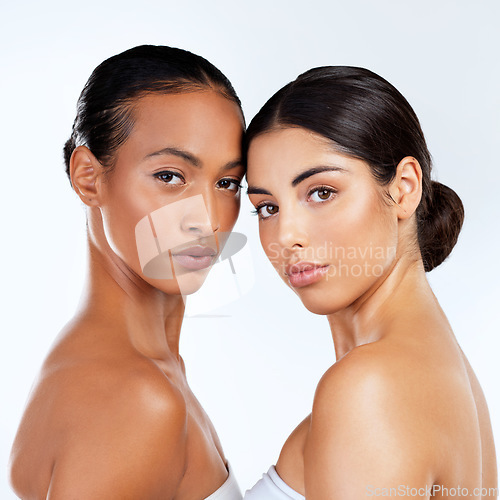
(340, 176)
(155, 155)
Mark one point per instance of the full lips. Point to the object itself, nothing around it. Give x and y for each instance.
(194, 262)
(307, 277)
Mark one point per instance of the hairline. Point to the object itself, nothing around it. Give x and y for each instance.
(125, 107)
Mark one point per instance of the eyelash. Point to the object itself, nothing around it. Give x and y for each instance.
(236, 182)
(256, 211)
(322, 188)
(159, 176)
(332, 192)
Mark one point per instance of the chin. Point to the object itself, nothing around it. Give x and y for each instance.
(323, 301)
(190, 282)
(321, 307)
(174, 279)
(185, 284)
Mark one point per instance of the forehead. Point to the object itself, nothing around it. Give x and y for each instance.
(201, 121)
(288, 143)
(286, 151)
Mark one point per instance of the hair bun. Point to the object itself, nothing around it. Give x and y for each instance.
(439, 225)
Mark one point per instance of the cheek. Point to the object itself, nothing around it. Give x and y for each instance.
(363, 241)
(269, 244)
(376, 225)
(124, 208)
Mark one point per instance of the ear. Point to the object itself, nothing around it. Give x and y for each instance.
(406, 187)
(85, 171)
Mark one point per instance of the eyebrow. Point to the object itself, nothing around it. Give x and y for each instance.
(257, 190)
(180, 153)
(299, 178)
(233, 164)
(191, 158)
(316, 170)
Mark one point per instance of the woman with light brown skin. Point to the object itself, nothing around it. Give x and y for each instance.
(340, 176)
(155, 156)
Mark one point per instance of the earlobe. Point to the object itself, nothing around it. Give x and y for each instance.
(85, 171)
(406, 188)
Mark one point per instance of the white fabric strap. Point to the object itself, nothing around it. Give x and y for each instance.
(229, 490)
(272, 487)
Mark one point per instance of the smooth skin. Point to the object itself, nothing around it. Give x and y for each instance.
(111, 414)
(401, 406)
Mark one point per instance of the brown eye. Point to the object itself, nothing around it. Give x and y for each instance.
(229, 185)
(170, 178)
(265, 211)
(321, 194)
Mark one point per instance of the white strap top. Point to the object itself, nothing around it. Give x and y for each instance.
(272, 487)
(229, 490)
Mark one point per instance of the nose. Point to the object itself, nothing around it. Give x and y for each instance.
(292, 228)
(201, 217)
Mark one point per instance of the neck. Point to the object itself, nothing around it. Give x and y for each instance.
(370, 317)
(116, 296)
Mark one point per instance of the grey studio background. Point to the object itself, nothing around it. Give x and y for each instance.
(254, 362)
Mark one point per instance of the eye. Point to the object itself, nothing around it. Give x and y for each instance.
(229, 185)
(321, 194)
(170, 178)
(265, 210)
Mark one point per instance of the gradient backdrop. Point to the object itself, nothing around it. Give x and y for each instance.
(254, 363)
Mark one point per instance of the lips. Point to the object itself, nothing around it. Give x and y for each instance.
(195, 257)
(197, 251)
(305, 273)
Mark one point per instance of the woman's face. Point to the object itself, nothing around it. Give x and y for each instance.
(323, 220)
(174, 193)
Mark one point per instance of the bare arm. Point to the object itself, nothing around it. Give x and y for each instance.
(489, 472)
(365, 435)
(127, 446)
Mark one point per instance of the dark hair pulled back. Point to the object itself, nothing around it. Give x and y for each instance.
(366, 117)
(104, 117)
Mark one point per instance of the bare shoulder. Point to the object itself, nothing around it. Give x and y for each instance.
(367, 427)
(125, 428)
(368, 371)
(389, 384)
(370, 382)
(116, 427)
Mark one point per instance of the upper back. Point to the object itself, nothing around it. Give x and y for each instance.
(404, 410)
(85, 413)
(489, 479)
(415, 408)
